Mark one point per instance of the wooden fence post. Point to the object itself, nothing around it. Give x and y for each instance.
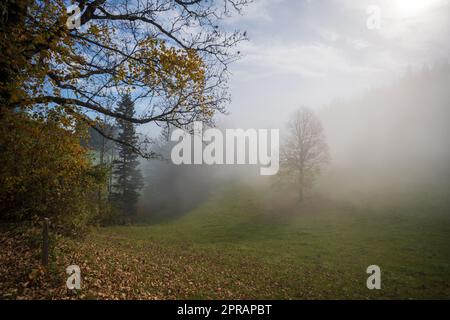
(45, 243)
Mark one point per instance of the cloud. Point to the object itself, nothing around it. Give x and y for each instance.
(313, 52)
(257, 11)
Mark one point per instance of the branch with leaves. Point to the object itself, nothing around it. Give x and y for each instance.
(172, 58)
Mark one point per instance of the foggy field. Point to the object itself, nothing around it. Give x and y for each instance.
(239, 244)
(233, 247)
(224, 149)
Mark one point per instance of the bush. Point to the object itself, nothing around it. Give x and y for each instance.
(47, 172)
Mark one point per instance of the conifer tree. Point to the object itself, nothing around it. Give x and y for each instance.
(127, 176)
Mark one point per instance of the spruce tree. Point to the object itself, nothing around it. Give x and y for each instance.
(127, 177)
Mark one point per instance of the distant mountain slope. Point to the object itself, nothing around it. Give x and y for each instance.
(398, 134)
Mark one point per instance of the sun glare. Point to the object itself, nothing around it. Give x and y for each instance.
(409, 8)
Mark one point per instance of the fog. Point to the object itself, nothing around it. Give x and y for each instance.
(393, 138)
(390, 140)
(382, 97)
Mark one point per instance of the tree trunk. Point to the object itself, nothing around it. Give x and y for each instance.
(44, 254)
(13, 14)
(300, 187)
(102, 156)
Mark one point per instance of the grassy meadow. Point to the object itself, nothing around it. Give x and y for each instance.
(238, 244)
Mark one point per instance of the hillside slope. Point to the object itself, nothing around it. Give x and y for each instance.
(238, 245)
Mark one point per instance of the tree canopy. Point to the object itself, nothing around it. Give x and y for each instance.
(305, 149)
(171, 56)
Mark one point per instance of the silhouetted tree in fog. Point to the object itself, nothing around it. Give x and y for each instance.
(128, 178)
(305, 150)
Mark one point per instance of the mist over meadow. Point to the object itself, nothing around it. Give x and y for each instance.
(322, 169)
(389, 140)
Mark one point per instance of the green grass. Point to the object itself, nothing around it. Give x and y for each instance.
(238, 244)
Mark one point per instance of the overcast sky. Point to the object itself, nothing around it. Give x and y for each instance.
(310, 52)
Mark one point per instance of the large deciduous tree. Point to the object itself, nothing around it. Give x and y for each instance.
(170, 55)
(305, 150)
